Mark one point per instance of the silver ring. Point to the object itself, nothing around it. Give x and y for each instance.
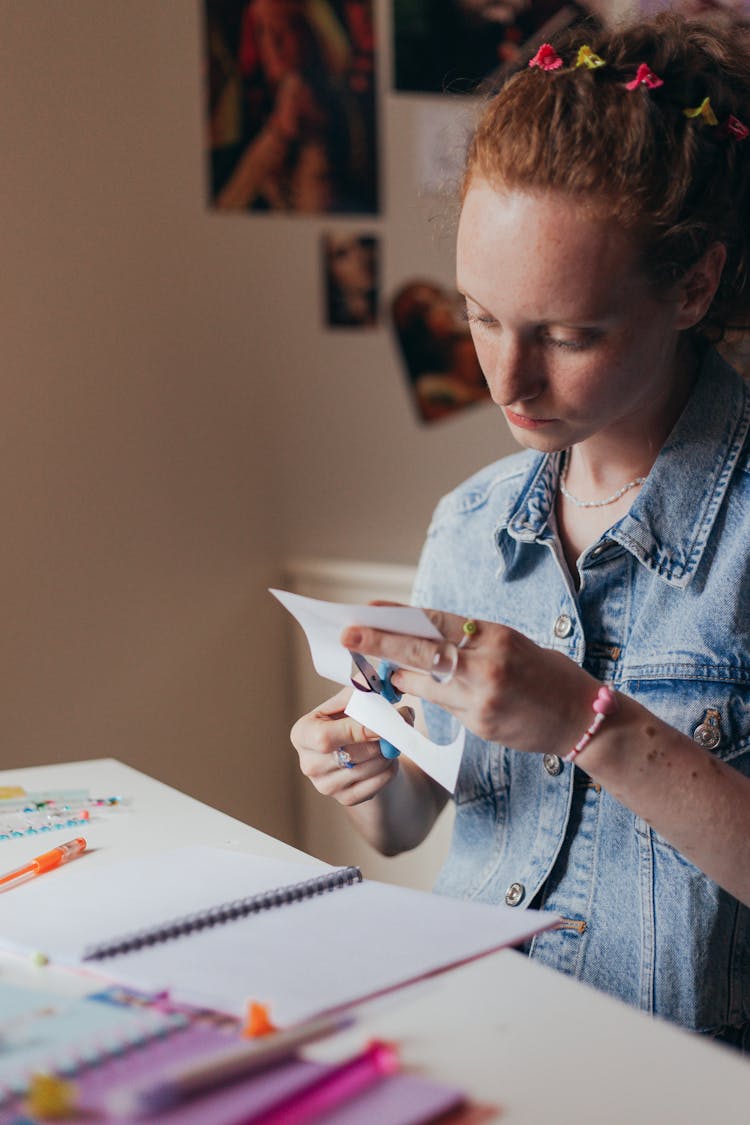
(444, 662)
(344, 759)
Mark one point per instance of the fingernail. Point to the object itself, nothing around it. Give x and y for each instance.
(351, 638)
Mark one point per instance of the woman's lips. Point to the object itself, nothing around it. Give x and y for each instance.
(525, 422)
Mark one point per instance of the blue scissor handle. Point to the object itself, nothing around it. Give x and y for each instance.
(389, 693)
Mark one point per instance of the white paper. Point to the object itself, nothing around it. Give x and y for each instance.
(323, 623)
(301, 957)
(82, 904)
(291, 958)
(440, 762)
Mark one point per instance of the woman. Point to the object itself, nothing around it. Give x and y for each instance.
(604, 669)
(294, 55)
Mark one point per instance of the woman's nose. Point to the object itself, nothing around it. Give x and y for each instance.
(514, 376)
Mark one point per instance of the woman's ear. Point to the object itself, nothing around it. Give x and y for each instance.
(697, 288)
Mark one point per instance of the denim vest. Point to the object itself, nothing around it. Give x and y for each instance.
(663, 613)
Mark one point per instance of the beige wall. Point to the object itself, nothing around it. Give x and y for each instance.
(174, 422)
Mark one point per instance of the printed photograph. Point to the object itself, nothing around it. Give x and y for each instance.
(440, 363)
(350, 279)
(290, 101)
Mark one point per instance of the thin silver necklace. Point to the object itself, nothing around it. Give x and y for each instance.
(635, 483)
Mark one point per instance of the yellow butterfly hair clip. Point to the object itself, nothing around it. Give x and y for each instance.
(703, 110)
(587, 58)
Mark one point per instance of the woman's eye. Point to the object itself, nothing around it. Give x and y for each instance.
(472, 317)
(569, 343)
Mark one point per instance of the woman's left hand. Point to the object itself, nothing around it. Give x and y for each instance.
(505, 688)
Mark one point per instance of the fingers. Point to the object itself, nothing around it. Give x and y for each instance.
(318, 736)
(323, 733)
(421, 663)
(413, 652)
(366, 777)
(449, 624)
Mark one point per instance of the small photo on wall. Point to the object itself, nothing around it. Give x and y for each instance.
(440, 363)
(351, 279)
(290, 105)
(452, 46)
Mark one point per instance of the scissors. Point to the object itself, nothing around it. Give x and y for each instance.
(379, 682)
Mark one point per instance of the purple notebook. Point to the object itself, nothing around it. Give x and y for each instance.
(401, 1099)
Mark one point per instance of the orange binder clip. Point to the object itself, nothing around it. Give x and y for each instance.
(257, 1021)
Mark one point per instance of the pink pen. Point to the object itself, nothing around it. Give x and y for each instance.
(339, 1085)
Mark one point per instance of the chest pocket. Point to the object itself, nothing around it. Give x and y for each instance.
(714, 713)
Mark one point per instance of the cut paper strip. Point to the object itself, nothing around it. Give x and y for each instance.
(440, 762)
(323, 623)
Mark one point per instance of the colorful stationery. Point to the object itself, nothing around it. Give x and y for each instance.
(44, 1032)
(216, 928)
(398, 1099)
(226, 1063)
(93, 1058)
(51, 810)
(337, 1087)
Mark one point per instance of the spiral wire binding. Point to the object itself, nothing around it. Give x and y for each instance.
(225, 912)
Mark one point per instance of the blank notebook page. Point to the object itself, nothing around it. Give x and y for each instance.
(302, 958)
(83, 903)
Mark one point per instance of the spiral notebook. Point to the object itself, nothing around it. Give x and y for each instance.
(106, 1044)
(45, 1032)
(217, 928)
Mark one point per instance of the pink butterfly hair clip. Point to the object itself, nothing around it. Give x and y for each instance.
(734, 128)
(645, 76)
(546, 58)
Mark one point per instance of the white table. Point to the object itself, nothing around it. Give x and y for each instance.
(511, 1033)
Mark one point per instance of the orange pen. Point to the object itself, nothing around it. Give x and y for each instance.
(45, 862)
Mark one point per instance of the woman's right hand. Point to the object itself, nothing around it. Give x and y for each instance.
(318, 735)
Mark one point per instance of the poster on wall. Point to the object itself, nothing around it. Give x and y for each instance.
(351, 279)
(453, 46)
(290, 106)
(440, 364)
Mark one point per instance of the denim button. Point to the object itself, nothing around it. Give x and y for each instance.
(563, 627)
(553, 764)
(601, 548)
(708, 732)
(514, 894)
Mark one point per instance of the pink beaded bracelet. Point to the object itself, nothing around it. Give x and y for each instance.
(604, 704)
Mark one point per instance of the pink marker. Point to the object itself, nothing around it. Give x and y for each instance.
(339, 1085)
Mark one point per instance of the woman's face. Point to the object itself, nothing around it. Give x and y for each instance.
(572, 338)
(280, 44)
(350, 262)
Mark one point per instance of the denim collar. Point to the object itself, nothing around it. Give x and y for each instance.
(671, 519)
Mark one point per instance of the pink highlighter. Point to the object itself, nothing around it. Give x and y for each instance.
(344, 1082)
